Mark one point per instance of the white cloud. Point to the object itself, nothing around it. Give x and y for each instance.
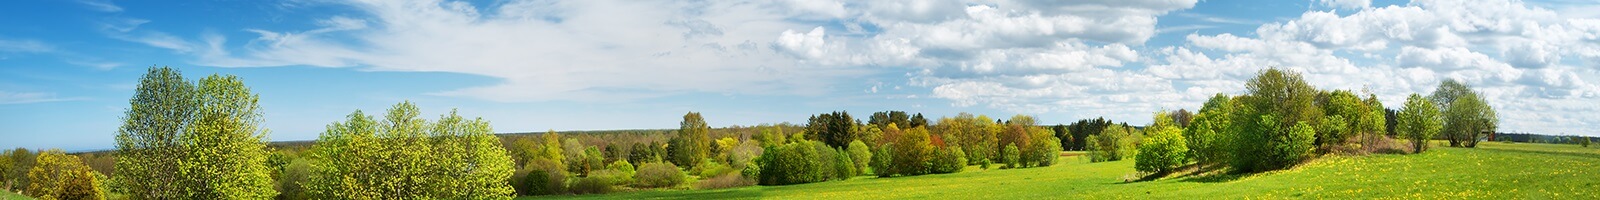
(24, 46)
(8, 97)
(1524, 59)
(1347, 4)
(101, 5)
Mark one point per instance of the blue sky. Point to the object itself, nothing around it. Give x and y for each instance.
(67, 67)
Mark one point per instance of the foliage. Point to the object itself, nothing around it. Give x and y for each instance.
(1343, 111)
(1043, 150)
(1010, 156)
(724, 181)
(844, 167)
(1267, 137)
(977, 135)
(912, 152)
(1082, 129)
(1206, 137)
(861, 156)
(1419, 121)
(624, 169)
(544, 176)
(56, 175)
(1164, 149)
(949, 160)
(1468, 117)
(21, 161)
(835, 129)
(1113, 144)
(599, 181)
(407, 157)
(657, 175)
(693, 143)
(794, 163)
(883, 161)
(293, 181)
(193, 141)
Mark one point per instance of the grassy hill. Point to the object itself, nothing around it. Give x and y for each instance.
(1493, 171)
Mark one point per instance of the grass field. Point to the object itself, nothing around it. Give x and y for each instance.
(8, 195)
(1494, 171)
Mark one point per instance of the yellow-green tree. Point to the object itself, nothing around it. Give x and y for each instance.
(57, 175)
(1419, 121)
(183, 141)
(407, 157)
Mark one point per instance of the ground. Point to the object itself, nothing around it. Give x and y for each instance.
(1493, 171)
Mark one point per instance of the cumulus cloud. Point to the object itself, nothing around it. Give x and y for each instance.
(1525, 59)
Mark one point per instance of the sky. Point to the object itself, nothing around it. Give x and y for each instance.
(68, 67)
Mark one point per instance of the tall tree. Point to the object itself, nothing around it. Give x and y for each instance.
(1469, 118)
(1206, 135)
(1418, 121)
(835, 129)
(694, 141)
(183, 141)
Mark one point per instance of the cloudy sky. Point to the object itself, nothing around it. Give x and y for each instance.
(67, 68)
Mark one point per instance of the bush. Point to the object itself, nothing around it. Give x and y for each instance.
(1009, 157)
(624, 169)
(844, 168)
(545, 177)
(1113, 144)
(1162, 151)
(883, 161)
(724, 181)
(913, 151)
(984, 163)
(1272, 127)
(56, 175)
(798, 162)
(599, 181)
(752, 171)
(711, 169)
(949, 160)
(860, 155)
(656, 175)
(1043, 150)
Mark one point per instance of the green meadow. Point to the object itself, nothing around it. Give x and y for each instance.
(1492, 171)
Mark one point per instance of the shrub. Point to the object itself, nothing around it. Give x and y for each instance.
(1009, 156)
(1113, 144)
(623, 168)
(798, 162)
(662, 174)
(598, 181)
(724, 181)
(883, 161)
(860, 155)
(710, 169)
(984, 163)
(1162, 151)
(56, 175)
(752, 171)
(949, 160)
(913, 150)
(1268, 132)
(545, 177)
(844, 168)
(1043, 150)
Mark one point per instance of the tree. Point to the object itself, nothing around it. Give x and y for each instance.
(835, 129)
(884, 118)
(406, 157)
(1112, 144)
(56, 175)
(1277, 102)
(1206, 134)
(1045, 149)
(1467, 119)
(861, 155)
(192, 141)
(1343, 110)
(1418, 121)
(21, 160)
(694, 141)
(1164, 149)
(912, 152)
(1010, 156)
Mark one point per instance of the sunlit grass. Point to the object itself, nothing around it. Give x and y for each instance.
(1495, 171)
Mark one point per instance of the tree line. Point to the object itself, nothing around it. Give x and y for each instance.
(185, 139)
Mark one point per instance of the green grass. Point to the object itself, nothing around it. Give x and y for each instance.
(1495, 171)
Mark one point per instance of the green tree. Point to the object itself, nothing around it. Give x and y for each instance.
(1467, 119)
(1206, 133)
(912, 152)
(56, 175)
(193, 141)
(861, 155)
(1010, 156)
(1112, 144)
(1165, 149)
(693, 134)
(836, 129)
(1419, 121)
(1277, 101)
(1343, 109)
(407, 157)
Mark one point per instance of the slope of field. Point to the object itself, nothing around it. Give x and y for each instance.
(1495, 171)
